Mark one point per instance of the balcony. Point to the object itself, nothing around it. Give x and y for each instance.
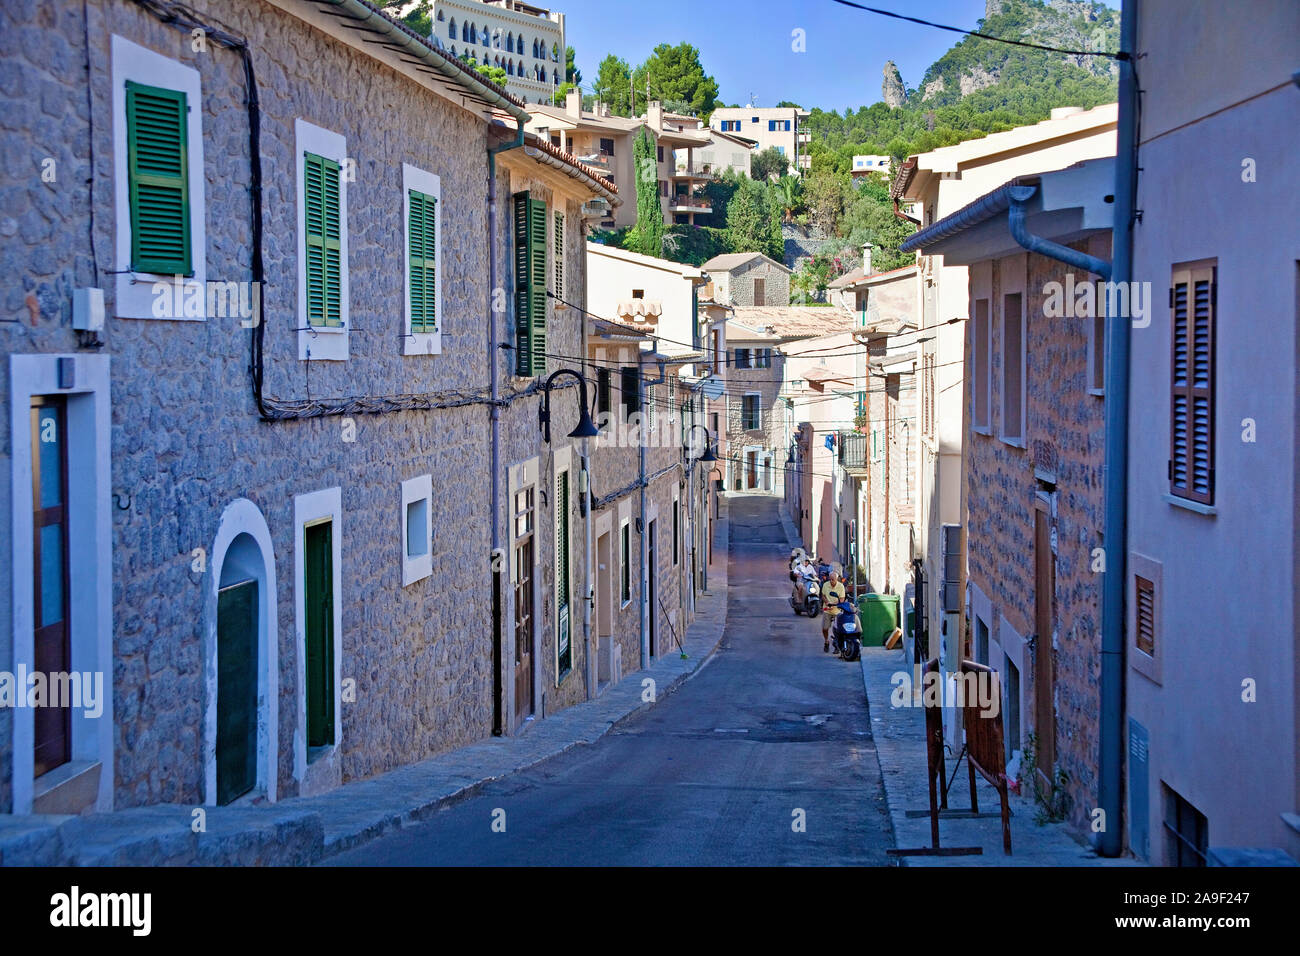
(601, 162)
(854, 452)
(690, 204)
(803, 136)
(700, 173)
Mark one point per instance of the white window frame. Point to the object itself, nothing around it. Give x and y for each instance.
(1148, 665)
(321, 344)
(422, 181)
(758, 407)
(1017, 440)
(313, 508)
(136, 292)
(90, 578)
(417, 567)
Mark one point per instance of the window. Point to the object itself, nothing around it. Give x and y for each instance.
(510, 44)
(661, 154)
(322, 244)
(980, 381)
(1144, 633)
(158, 165)
(781, 150)
(319, 618)
(650, 406)
(1013, 368)
(753, 119)
(563, 582)
(603, 403)
(928, 384)
(742, 358)
(1143, 615)
(638, 293)
(762, 357)
(451, 31)
(530, 285)
(771, 126)
(751, 412)
(625, 564)
(677, 531)
(1191, 401)
(630, 389)
(417, 552)
(558, 252)
(607, 146)
(1187, 832)
(423, 244)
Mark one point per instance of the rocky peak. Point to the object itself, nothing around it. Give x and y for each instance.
(892, 90)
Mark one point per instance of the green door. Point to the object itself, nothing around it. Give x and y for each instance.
(236, 690)
(319, 600)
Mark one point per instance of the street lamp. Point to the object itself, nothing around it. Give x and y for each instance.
(708, 446)
(586, 428)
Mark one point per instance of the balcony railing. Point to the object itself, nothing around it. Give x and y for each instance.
(854, 451)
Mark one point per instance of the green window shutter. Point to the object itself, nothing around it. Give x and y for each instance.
(158, 178)
(559, 255)
(423, 247)
(321, 220)
(530, 285)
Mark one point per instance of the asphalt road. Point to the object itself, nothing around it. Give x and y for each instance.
(770, 733)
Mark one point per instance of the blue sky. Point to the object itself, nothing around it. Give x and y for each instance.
(846, 48)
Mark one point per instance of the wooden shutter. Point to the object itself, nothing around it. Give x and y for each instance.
(1145, 616)
(558, 252)
(422, 249)
(1192, 302)
(321, 223)
(530, 285)
(158, 180)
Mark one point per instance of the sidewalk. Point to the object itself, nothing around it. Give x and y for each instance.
(899, 734)
(304, 830)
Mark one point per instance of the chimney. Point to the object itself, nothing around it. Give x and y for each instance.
(573, 103)
(866, 259)
(654, 116)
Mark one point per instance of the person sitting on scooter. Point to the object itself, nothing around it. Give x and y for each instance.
(832, 596)
(804, 567)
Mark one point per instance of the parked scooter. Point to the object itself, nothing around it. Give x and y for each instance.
(846, 632)
(808, 591)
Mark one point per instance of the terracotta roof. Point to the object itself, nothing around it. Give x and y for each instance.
(855, 276)
(762, 322)
(621, 123)
(538, 142)
(731, 260)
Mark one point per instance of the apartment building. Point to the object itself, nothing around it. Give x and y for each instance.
(606, 143)
(1211, 565)
(941, 182)
(524, 40)
(254, 621)
(771, 128)
(1033, 508)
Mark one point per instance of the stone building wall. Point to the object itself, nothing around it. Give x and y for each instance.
(1065, 426)
(767, 383)
(739, 283)
(186, 436)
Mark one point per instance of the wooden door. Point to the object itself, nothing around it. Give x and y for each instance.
(652, 574)
(1044, 676)
(318, 598)
(237, 614)
(604, 608)
(52, 646)
(751, 470)
(760, 292)
(525, 604)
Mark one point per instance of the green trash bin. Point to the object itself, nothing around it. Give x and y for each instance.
(879, 613)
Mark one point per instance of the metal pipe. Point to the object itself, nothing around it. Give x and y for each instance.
(494, 418)
(1018, 196)
(1110, 840)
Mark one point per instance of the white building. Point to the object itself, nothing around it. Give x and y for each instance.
(1213, 568)
(770, 127)
(525, 41)
(869, 164)
(656, 295)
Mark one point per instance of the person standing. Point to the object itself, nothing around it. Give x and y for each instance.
(832, 597)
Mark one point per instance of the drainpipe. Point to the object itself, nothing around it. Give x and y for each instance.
(1018, 196)
(1110, 841)
(646, 610)
(494, 415)
(587, 566)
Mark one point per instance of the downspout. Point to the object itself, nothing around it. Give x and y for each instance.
(1018, 196)
(646, 610)
(587, 567)
(1110, 841)
(498, 565)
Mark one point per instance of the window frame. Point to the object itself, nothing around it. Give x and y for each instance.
(758, 412)
(321, 343)
(1192, 273)
(1017, 439)
(625, 563)
(135, 299)
(982, 366)
(417, 567)
(419, 180)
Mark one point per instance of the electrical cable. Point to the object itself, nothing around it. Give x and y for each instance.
(983, 36)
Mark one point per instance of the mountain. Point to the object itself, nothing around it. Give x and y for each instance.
(981, 86)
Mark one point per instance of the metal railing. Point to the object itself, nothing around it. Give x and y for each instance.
(854, 451)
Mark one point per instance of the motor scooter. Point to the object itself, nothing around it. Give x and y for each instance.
(846, 632)
(809, 592)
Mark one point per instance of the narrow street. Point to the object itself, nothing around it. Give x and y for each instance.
(715, 774)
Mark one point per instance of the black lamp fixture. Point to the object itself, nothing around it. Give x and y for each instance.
(586, 428)
(708, 446)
